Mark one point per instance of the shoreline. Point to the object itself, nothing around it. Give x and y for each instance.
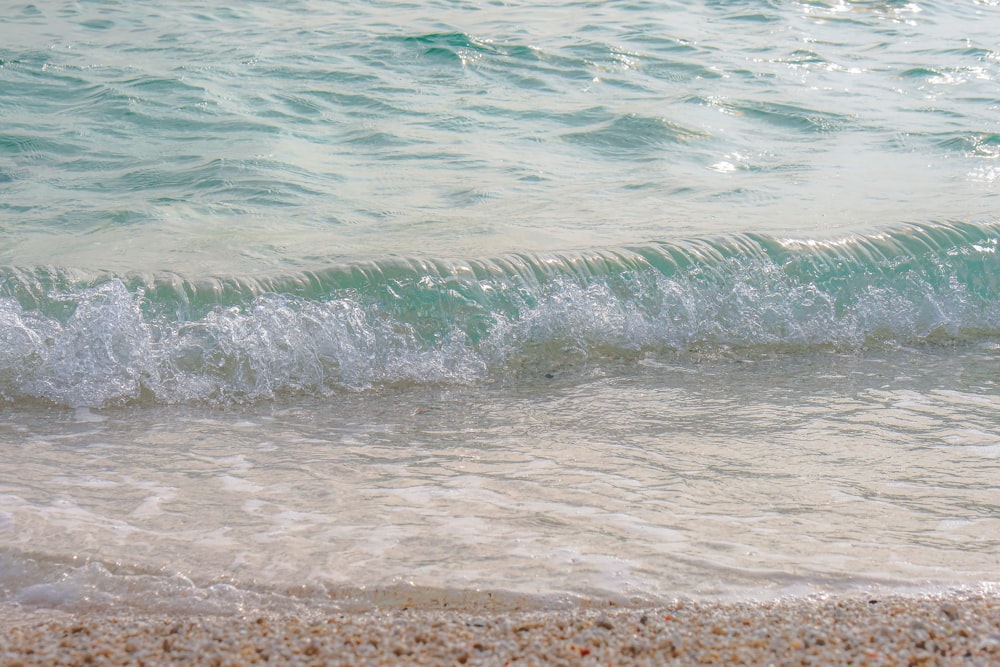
(926, 629)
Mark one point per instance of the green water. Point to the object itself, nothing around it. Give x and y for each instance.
(330, 305)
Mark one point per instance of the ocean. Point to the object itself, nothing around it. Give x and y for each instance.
(313, 306)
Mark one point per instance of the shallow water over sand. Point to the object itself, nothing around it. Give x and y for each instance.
(644, 478)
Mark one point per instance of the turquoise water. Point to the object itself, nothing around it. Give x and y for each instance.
(346, 303)
(202, 139)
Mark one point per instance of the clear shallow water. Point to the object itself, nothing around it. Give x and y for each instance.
(344, 304)
(631, 480)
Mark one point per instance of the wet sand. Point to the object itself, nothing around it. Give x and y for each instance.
(943, 629)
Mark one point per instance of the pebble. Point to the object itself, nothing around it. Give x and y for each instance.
(952, 629)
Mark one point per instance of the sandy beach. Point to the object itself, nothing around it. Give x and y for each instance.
(941, 629)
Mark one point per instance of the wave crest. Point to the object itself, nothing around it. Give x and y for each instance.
(114, 339)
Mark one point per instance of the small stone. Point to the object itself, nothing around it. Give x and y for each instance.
(950, 610)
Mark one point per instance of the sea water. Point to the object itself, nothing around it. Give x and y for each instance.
(316, 305)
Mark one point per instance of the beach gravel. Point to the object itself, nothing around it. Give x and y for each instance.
(952, 629)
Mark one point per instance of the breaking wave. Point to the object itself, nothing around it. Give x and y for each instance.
(92, 340)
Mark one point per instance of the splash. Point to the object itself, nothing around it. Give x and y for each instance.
(97, 340)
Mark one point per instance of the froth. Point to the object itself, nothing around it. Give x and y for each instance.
(114, 343)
